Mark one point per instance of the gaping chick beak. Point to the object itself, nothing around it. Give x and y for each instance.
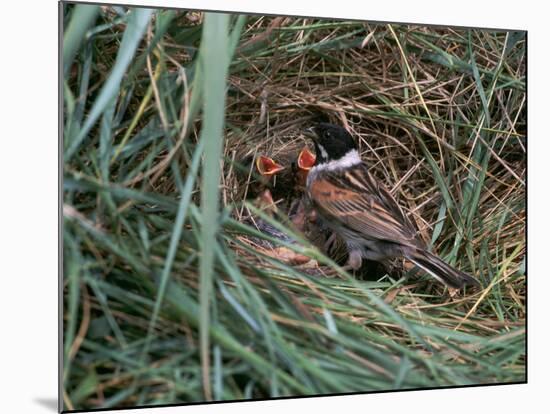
(305, 162)
(267, 167)
(306, 159)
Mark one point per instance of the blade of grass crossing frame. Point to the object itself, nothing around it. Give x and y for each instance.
(215, 62)
(481, 154)
(137, 22)
(72, 274)
(105, 141)
(479, 84)
(183, 205)
(188, 308)
(235, 35)
(83, 17)
(74, 119)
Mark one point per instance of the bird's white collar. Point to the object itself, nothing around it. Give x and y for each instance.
(349, 160)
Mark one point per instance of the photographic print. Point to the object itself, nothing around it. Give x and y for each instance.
(260, 207)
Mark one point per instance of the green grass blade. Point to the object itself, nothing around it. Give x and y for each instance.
(177, 230)
(82, 19)
(137, 22)
(215, 63)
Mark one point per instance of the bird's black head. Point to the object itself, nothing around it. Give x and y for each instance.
(331, 142)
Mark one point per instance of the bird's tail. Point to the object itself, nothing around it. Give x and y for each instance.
(440, 270)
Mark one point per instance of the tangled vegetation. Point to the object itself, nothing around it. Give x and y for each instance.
(167, 299)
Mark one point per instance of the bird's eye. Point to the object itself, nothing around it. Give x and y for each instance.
(327, 134)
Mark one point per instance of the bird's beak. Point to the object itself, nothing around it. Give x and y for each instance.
(306, 159)
(310, 133)
(267, 167)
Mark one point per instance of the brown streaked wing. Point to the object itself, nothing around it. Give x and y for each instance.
(355, 199)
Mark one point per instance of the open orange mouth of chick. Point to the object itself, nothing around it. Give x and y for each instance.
(266, 166)
(305, 162)
(306, 159)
